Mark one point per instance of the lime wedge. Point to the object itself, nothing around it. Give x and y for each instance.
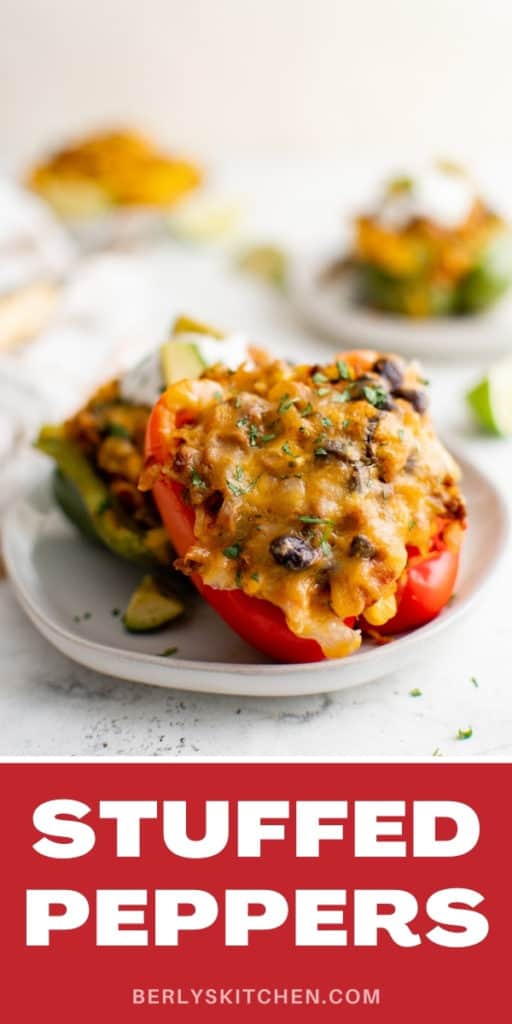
(491, 400)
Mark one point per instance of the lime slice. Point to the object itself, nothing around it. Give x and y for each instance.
(491, 399)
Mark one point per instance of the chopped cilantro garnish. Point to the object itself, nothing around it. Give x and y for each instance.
(412, 524)
(233, 551)
(286, 448)
(415, 692)
(196, 479)
(376, 396)
(326, 422)
(343, 370)
(265, 438)
(286, 403)
(436, 752)
(236, 488)
(326, 548)
(307, 410)
(218, 396)
(251, 428)
(253, 435)
(319, 378)
(474, 681)
(320, 450)
(322, 392)
(255, 576)
(464, 734)
(345, 424)
(341, 396)
(316, 519)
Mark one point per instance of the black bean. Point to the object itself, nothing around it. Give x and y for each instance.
(389, 369)
(372, 390)
(213, 503)
(361, 547)
(292, 552)
(417, 398)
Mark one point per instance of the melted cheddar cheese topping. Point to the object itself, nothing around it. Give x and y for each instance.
(311, 485)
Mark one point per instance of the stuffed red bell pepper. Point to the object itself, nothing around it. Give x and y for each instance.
(309, 504)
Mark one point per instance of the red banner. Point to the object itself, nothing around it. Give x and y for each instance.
(328, 891)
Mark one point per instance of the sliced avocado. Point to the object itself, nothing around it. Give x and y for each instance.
(86, 500)
(185, 325)
(123, 539)
(488, 281)
(151, 607)
(74, 465)
(70, 500)
(181, 360)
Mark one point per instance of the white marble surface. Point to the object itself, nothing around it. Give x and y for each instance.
(50, 706)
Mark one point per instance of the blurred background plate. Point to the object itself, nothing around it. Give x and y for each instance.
(70, 590)
(329, 304)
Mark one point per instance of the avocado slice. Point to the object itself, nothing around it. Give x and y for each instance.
(70, 500)
(85, 499)
(74, 466)
(185, 325)
(181, 360)
(488, 281)
(151, 607)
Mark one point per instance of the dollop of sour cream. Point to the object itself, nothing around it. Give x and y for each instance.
(444, 196)
(143, 383)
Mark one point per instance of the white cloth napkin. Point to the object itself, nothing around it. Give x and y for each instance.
(33, 245)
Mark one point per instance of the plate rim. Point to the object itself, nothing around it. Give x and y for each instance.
(306, 295)
(328, 669)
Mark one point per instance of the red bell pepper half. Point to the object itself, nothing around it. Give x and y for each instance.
(426, 586)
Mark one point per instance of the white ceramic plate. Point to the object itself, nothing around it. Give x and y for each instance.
(330, 307)
(59, 578)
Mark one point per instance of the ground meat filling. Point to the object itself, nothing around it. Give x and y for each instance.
(110, 432)
(310, 485)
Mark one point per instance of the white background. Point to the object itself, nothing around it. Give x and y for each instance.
(254, 77)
